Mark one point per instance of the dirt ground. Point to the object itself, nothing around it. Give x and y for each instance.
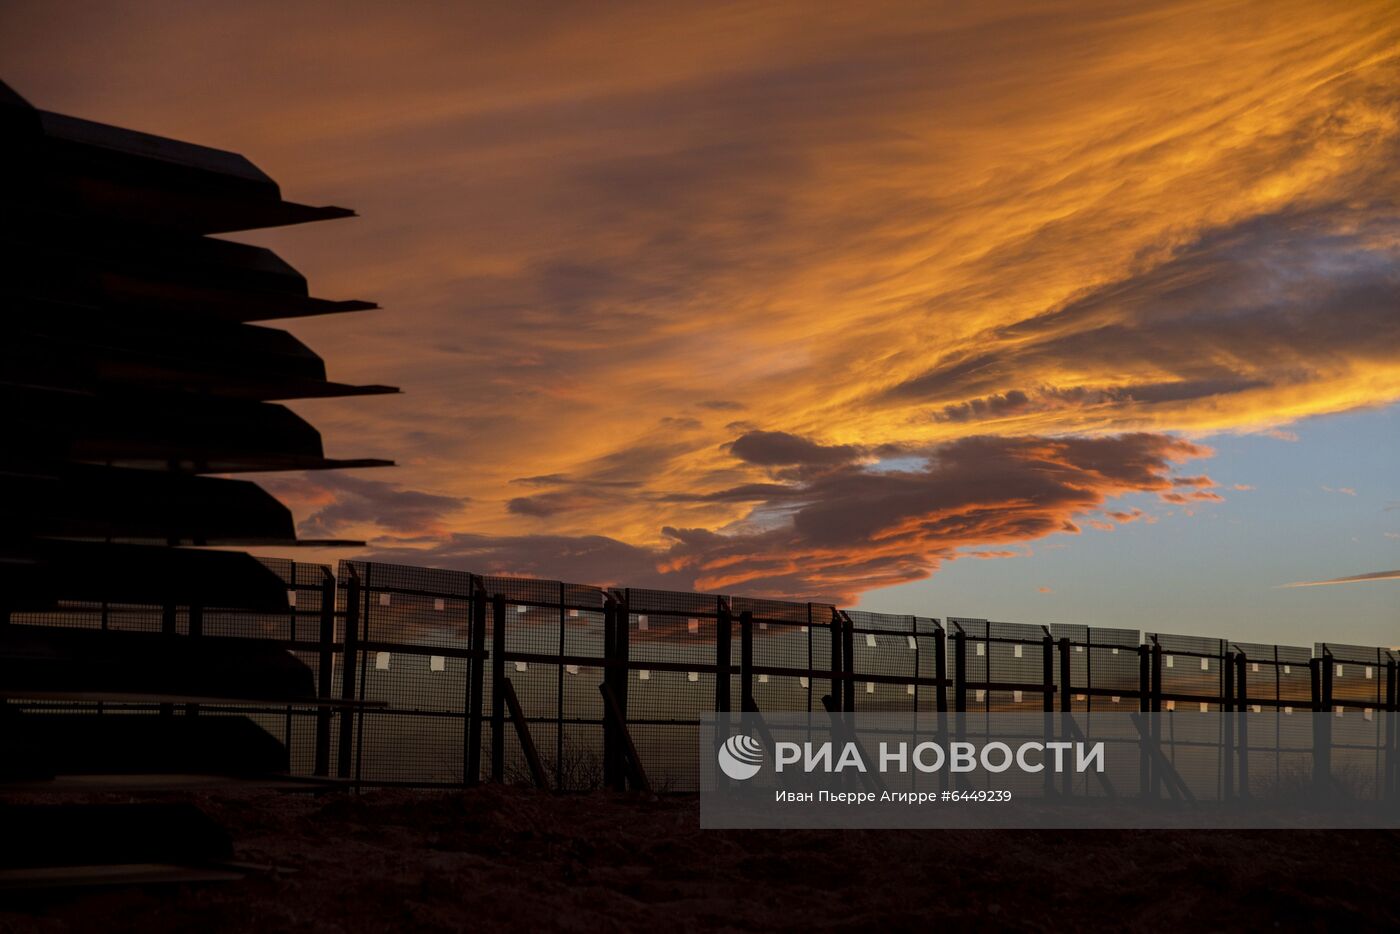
(510, 858)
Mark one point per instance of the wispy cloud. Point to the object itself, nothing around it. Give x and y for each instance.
(693, 269)
(829, 531)
(339, 503)
(1354, 579)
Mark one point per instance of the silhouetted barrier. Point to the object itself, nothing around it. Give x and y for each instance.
(137, 370)
(430, 646)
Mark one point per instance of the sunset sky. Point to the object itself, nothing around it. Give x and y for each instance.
(1045, 312)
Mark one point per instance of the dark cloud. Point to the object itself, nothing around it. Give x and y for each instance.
(744, 493)
(780, 449)
(1047, 399)
(951, 377)
(338, 503)
(552, 479)
(1269, 304)
(989, 407)
(543, 505)
(630, 464)
(849, 528)
(588, 559)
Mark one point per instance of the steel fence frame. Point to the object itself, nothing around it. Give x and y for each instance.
(434, 647)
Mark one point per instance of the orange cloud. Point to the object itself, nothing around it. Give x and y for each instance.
(832, 528)
(1353, 579)
(727, 294)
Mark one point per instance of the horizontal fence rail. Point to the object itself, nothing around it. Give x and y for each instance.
(609, 684)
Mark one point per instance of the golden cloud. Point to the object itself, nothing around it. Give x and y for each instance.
(729, 296)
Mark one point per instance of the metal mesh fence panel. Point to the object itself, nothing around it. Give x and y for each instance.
(414, 630)
(416, 652)
(885, 658)
(1192, 669)
(1358, 673)
(1275, 675)
(404, 748)
(1112, 669)
(787, 646)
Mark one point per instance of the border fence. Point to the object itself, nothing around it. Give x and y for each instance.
(447, 678)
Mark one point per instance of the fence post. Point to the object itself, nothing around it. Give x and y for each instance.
(960, 671)
(1392, 731)
(1323, 752)
(810, 631)
(476, 683)
(940, 672)
(1315, 686)
(1144, 705)
(367, 631)
(559, 692)
(918, 663)
(498, 697)
(1242, 718)
(723, 686)
(722, 639)
(746, 701)
(1227, 675)
(838, 664)
(1047, 703)
(1228, 726)
(1144, 678)
(848, 638)
(631, 765)
(940, 668)
(325, 665)
(610, 739)
(622, 623)
(1329, 668)
(1156, 677)
(1066, 696)
(1392, 706)
(616, 622)
(1047, 676)
(1156, 733)
(348, 661)
(960, 695)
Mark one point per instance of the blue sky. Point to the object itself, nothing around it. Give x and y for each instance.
(1219, 571)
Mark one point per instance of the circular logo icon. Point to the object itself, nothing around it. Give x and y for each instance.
(741, 757)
